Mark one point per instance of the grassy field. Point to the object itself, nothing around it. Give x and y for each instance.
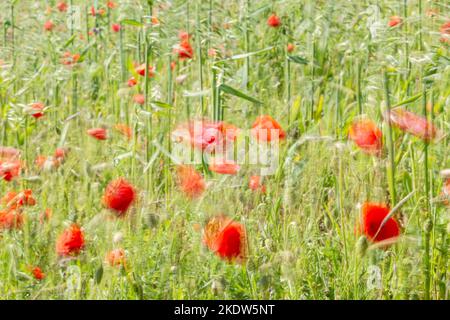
(316, 67)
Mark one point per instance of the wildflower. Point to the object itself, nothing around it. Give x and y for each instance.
(366, 135)
(212, 52)
(226, 238)
(373, 215)
(115, 27)
(139, 99)
(37, 109)
(184, 48)
(445, 32)
(206, 135)
(290, 47)
(14, 200)
(70, 242)
(60, 153)
(273, 21)
(48, 25)
(141, 70)
(409, 122)
(37, 273)
(70, 59)
(118, 196)
(9, 170)
(98, 133)
(132, 82)
(223, 166)
(190, 181)
(394, 21)
(11, 219)
(116, 257)
(255, 184)
(265, 128)
(111, 5)
(62, 6)
(9, 153)
(124, 129)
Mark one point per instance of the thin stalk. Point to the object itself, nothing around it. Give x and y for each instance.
(390, 143)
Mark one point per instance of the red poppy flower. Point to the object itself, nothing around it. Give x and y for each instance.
(139, 99)
(11, 219)
(273, 21)
(373, 215)
(183, 35)
(395, 21)
(184, 50)
(70, 59)
(290, 47)
(9, 153)
(37, 109)
(111, 4)
(61, 153)
(141, 70)
(9, 170)
(116, 257)
(366, 135)
(223, 166)
(132, 82)
(445, 32)
(255, 184)
(37, 273)
(116, 27)
(98, 133)
(409, 122)
(14, 200)
(48, 25)
(70, 242)
(206, 135)
(226, 238)
(62, 6)
(190, 181)
(119, 195)
(265, 128)
(124, 129)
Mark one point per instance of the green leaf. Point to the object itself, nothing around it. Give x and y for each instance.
(161, 104)
(69, 42)
(132, 22)
(298, 59)
(409, 100)
(227, 89)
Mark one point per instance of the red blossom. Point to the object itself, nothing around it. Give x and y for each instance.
(98, 133)
(70, 242)
(265, 128)
(119, 196)
(366, 135)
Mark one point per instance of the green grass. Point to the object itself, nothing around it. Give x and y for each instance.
(302, 231)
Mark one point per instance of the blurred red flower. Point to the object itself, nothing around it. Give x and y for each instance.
(9, 170)
(14, 200)
(62, 6)
(373, 215)
(124, 129)
(255, 184)
(48, 25)
(139, 99)
(141, 70)
(226, 238)
(116, 257)
(132, 82)
(273, 21)
(409, 122)
(395, 21)
(223, 166)
(190, 181)
(37, 273)
(111, 4)
(37, 109)
(290, 47)
(116, 27)
(118, 196)
(265, 128)
(98, 133)
(366, 135)
(11, 219)
(70, 242)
